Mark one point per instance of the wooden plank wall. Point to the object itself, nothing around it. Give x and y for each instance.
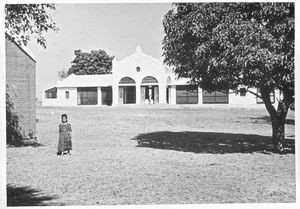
(20, 78)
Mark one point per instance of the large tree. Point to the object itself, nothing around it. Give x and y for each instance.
(24, 21)
(222, 46)
(95, 62)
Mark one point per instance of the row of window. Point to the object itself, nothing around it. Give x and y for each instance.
(189, 95)
(85, 95)
(185, 94)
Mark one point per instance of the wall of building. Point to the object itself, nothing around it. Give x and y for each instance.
(237, 99)
(148, 67)
(20, 79)
(61, 99)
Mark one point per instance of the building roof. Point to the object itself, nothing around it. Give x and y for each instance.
(86, 80)
(22, 47)
(140, 54)
(180, 81)
(102, 80)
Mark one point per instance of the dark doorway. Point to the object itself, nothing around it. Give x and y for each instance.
(168, 94)
(127, 95)
(150, 93)
(106, 95)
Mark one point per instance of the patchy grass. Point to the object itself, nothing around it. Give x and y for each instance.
(154, 155)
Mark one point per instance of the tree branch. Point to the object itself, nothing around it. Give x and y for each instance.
(265, 93)
(257, 95)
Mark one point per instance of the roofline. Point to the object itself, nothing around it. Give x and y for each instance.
(104, 74)
(149, 57)
(50, 89)
(22, 47)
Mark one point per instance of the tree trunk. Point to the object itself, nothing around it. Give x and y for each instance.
(278, 123)
(278, 135)
(278, 119)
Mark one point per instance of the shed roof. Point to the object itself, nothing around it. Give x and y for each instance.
(22, 47)
(86, 80)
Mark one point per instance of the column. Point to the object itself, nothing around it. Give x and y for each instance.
(99, 94)
(115, 94)
(162, 94)
(200, 96)
(138, 94)
(173, 95)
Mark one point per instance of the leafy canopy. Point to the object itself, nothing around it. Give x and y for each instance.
(24, 21)
(222, 46)
(95, 62)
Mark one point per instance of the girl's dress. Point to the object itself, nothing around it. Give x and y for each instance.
(64, 141)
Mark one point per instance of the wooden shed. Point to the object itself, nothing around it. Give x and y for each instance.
(20, 80)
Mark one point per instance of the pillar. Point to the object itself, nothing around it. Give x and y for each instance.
(99, 95)
(172, 97)
(138, 94)
(115, 94)
(200, 98)
(162, 94)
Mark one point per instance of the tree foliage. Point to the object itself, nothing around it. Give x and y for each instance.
(95, 62)
(62, 74)
(24, 21)
(222, 46)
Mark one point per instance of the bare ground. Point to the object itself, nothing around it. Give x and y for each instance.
(154, 155)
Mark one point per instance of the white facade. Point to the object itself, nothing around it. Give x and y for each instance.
(137, 79)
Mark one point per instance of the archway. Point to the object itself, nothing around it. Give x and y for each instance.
(149, 90)
(127, 91)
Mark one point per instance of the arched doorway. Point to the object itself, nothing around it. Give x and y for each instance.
(149, 90)
(127, 91)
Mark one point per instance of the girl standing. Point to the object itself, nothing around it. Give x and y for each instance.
(64, 141)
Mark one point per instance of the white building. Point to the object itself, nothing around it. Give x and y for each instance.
(137, 79)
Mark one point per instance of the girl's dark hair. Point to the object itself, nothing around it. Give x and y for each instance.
(64, 116)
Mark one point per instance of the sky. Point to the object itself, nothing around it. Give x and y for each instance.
(115, 28)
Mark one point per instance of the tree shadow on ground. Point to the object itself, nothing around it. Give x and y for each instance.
(26, 143)
(267, 120)
(25, 196)
(210, 142)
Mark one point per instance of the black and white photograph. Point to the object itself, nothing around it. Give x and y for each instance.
(151, 103)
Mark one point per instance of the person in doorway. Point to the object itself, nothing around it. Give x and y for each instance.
(64, 141)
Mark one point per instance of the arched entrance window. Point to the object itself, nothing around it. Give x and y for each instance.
(149, 79)
(127, 91)
(127, 80)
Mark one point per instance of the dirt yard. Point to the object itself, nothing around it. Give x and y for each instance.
(153, 155)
